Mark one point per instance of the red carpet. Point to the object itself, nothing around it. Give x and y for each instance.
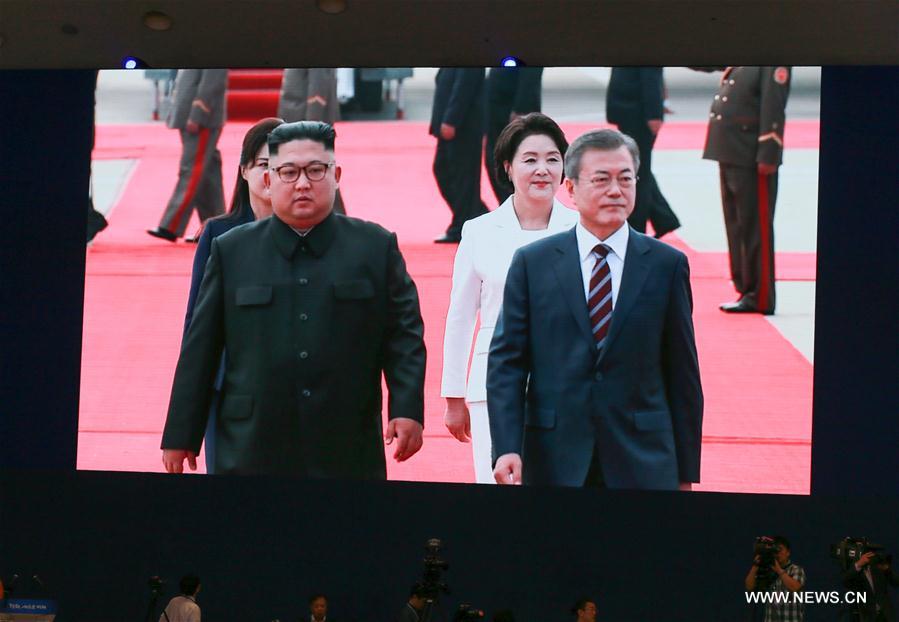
(758, 387)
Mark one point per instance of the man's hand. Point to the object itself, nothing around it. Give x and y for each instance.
(447, 131)
(508, 470)
(407, 433)
(654, 126)
(776, 568)
(192, 127)
(767, 169)
(864, 560)
(685, 486)
(173, 460)
(458, 419)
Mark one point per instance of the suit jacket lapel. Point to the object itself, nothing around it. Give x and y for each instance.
(636, 269)
(568, 272)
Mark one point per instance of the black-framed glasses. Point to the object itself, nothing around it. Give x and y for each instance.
(315, 171)
(602, 182)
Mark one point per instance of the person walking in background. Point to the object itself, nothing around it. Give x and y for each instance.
(250, 201)
(457, 121)
(635, 102)
(198, 113)
(511, 92)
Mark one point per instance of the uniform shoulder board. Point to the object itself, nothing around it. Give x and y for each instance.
(781, 75)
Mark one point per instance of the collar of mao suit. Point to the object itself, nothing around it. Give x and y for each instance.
(316, 241)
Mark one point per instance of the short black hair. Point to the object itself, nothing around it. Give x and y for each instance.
(316, 596)
(535, 123)
(318, 131)
(189, 584)
(418, 590)
(581, 604)
(599, 140)
(780, 540)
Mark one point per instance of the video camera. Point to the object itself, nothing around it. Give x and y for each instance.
(766, 550)
(431, 585)
(849, 550)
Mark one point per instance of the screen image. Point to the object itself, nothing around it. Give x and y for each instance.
(755, 368)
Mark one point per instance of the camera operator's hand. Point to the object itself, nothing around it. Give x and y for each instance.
(864, 560)
(173, 460)
(756, 561)
(407, 433)
(508, 470)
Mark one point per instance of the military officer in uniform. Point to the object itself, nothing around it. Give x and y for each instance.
(745, 137)
(310, 94)
(457, 121)
(198, 113)
(312, 308)
(511, 92)
(635, 102)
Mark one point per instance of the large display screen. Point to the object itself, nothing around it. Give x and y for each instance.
(399, 167)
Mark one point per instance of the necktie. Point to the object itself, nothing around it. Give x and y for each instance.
(599, 300)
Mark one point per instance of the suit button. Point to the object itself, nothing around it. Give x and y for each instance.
(731, 82)
(303, 317)
(712, 115)
(724, 99)
(304, 281)
(598, 375)
(718, 117)
(304, 355)
(307, 393)
(717, 97)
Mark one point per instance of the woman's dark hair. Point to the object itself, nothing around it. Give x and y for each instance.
(535, 123)
(253, 141)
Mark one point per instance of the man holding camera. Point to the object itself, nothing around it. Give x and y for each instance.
(872, 575)
(781, 576)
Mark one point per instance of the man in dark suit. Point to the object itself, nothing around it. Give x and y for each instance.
(872, 578)
(457, 120)
(635, 102)
(312, 307)
(511, 92)
(745, 137)
(198, 113)
(592, 377)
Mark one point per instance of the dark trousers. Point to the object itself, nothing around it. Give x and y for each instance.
(748, 200)
(650, 205)
(498, 112)
(199, 183)
(457, 169)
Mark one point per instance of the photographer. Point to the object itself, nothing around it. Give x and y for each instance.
(782, 575)
(872, 575)
(416, 608)
(184, 607)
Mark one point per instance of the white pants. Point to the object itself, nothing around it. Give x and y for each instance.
(481, 445)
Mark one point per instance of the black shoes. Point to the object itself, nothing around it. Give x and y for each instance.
(163, 234)
(741, 306)
(448, 239)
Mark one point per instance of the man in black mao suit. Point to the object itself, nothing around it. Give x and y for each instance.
(511, 92)
(635, 102)
(874, 579)
(605, 393)
(457, 120)
(745, 137)
(312, 307)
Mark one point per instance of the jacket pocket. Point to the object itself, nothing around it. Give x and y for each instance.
(255, 295)
(540, 418)
(237, 407)
(652, 421)
(358, 289)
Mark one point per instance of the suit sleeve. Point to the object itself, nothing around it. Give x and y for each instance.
(465, 300)
(680, 366)
(404, 347)
(508, 365)
(652, 91)
(201, 256)
(463, 98)
(211, 92)
(198, 363)
(528, 91)
(774, 89)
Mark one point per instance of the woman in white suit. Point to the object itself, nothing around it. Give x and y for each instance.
(530, 152)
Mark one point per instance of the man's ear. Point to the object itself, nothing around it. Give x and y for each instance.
(267, 179)
(337, 172)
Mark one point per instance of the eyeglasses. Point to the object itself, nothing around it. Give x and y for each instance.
(602, 182)
(316, 171)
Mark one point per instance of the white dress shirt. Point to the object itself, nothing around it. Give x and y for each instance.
(479, 277)
(586, 242)
(181, 609)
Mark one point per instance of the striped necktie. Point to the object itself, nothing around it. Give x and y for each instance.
(599, 300)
